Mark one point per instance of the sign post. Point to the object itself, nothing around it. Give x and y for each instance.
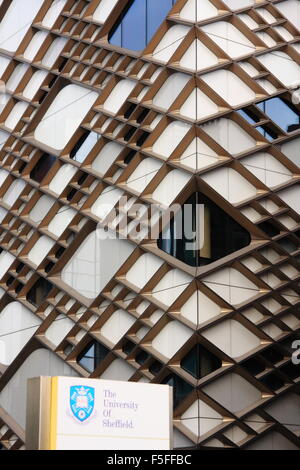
(66, 413)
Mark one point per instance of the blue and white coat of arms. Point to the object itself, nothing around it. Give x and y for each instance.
(82, 401)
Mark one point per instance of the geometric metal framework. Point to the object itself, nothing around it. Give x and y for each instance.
(207, 107)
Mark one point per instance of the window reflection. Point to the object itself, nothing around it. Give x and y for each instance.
(199, 362)
(219, 234)
(180, 388)
(138, 23)
(84, 145)
(92, 355)
(38, 293)
(42, 167)
(283, 113)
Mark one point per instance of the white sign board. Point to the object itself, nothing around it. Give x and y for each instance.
(104, 414)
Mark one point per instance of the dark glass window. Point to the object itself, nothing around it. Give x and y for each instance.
(129, 111)
(92, 355)
(49, 266)
(269, 228)
(268, 132)
(221, 235)
(155, 367)
(142, 139)
(82, 178)
(287, 245)
(128, 347)
(291, 370)
(180, 388)
(10, 280)
(254, 366)
(282, 112)
(142, 357)
(19, 288)
(273, 382)
(129, 133)
(272, 355)
(143, 115)
(250, 114)
(138, 23)
(71, 194)
(60, 252)
(39, 291)
(129, 157)
(84, 146)
(199, 362)
(20, 267)
(42, 167)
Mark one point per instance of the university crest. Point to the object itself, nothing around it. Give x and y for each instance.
(82, 400)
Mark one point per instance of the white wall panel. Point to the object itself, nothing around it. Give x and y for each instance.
(61, 220)
(40, 362)
(229, 38)
(95, 262)
(34, 84)
(103, 10)
(231, 285)
(53, 13)
(229, 135)
(229, 86)
(34, 45)
(143, 174)
(41, 208)
(106, 157)
(14, 192)
(61, 178)
(118, 95)
(171, 186)
(170, 138)
(118, 370)
(16, 22)
(291, 197)
(58, 329)
(15, 115)
(40, 249)
(291, 10)
(170, 42)
(171, 286)
(233, 392)
(17, 326)
(171, 338)
(143, 269)
(117, 325)
(64, 116)
(230, 184)
(170, 90)
(282, 66)
(232, 337)
(194, 12)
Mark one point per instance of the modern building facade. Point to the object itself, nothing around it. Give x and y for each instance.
(113, 112)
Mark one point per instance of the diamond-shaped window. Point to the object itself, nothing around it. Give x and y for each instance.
(202, 233)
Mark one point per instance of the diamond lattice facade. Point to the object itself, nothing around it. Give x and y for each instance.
(108, 109)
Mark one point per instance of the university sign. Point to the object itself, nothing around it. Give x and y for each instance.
(66, 413)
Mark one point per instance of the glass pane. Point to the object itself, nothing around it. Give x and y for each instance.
(116, 37)
(134, 26)
(42, 167)
(199, 362)
(138, 23)
(222, 235)
(91, 356)
(157, 10)
(285, 115)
